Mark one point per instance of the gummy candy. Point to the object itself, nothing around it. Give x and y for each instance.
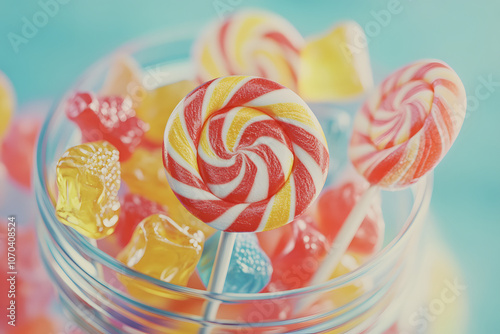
(249, 269)
(347, 293)
(88, 180)
(335, 204)
(124, 79)
(296, 259)
(6, 104)
(18, 148)
(109, 118)
(270, 240)
(144, 174)
(134, 208)
(162, 249)
(335, 66)
(158, 104)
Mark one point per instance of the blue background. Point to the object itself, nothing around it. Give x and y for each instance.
(466, 198)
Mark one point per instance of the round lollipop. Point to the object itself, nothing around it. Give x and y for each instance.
(400, 134)
(243, 154)
(250, 42)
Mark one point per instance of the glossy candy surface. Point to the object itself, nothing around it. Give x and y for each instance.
(18, 146)
(157, 105)
(335, 66)
(109, 118)
(163, 249)
(144, 175)
(134, 208)
(245, 154)
(408, 124)
(249, 43)
(296, 259)
(249, 269)
(88, 180)
(124, 79)
(334, 205)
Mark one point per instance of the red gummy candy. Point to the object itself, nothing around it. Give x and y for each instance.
(296, 259)
(109, 118)
(18, 148)
(333, 207)
(134, 208)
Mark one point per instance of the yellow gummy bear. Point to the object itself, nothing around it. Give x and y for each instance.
(145, 175)
(158, 104)
(6, 103)
(88, 180)
(335, 66)
(162, 249)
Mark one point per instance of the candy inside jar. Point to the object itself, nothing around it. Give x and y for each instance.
(365, 285)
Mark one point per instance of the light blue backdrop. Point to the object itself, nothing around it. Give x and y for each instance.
(463, 33)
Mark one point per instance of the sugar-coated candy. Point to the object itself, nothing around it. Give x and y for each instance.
(134, 208)
(335, 204)
(245, 154)
(124, 79)
(335, 66)
(408, 124)
(88, 180)
(249, 42)
(109, 118)
(296, 259)
(6, 103)
(18, 147)
(157, 105)
(249, 269)
(162, 249)
(144, 174)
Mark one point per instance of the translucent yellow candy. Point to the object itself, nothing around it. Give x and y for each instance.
(162, 249)
(88, 180)
(348, 293)
(144, 174)
(6, 104)
(124, 79)
(335, 66)
(157, 106)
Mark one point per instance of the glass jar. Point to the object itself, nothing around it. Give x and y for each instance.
(90, 282)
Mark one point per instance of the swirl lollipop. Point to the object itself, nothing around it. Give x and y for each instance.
(400, 134)
(243, 154)
(251, 43)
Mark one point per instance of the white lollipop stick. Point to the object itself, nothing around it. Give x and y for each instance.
(341, 243)
(218, 276)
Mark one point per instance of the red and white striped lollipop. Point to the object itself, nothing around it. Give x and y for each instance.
(250, 42)
(245, 154)
(400, 134)
(408, 124)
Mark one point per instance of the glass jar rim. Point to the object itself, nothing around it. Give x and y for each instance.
(61, 233)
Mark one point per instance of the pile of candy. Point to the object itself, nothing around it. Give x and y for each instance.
(243, 154)
(34, 298)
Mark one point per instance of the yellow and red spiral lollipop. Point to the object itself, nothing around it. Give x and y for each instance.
(406, 127)
(245, 154)
(250, 43)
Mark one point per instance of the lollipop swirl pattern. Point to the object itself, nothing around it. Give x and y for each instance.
(245, 154)
(251, 43)
(408, 124)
